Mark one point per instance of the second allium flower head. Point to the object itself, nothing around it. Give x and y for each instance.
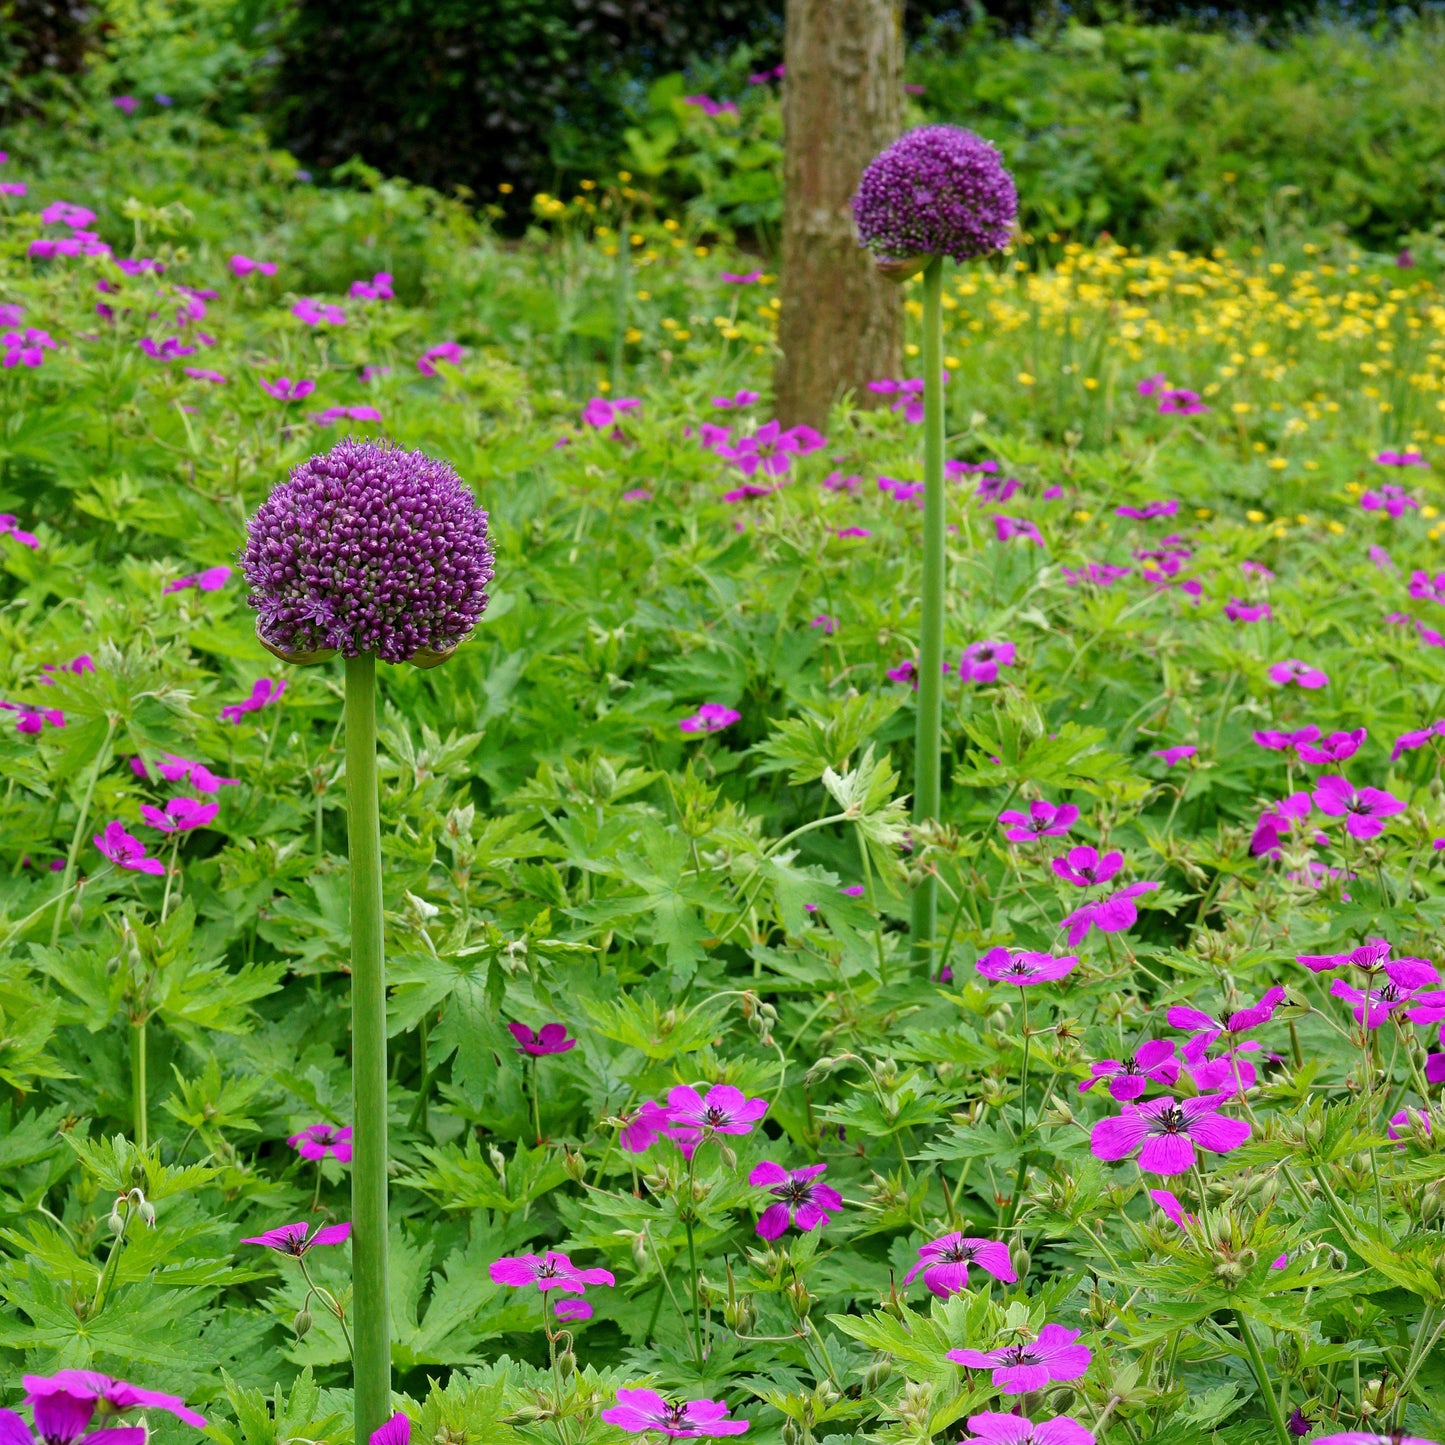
(937, 191)
(368, 548)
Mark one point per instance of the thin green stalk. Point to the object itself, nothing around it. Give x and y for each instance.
(170, 874)
(138, 1083)
(692, 1253)
(1261, 1374)
(372, 1361)
(78, 836)
(928, 761)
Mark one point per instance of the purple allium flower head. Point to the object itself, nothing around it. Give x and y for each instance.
(126, 851)
(711, 717)
(937, 191)
(1293, 670)
(638, 1411)
(725, 1110)
(93, 1388)
(547, 1271)
(291, 1238)
(1364, 809)
(981, 660)
(1128, 1078)
(1043, 820)
(1109, 915)
(180, 815)
(1022, 968)
(1084, 867)
(368, 548)
(1032, 1364)
(1335, 748)
(321, 1141)
(550, 1039)
(1175, 755)
(800, 1199)
(1165, 1132)
(944, 1263)
(996, 1429)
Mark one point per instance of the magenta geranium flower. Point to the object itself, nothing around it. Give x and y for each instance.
(396, 1431)
(745, 278)
(638, 1411)
(1292, 670)
(1043, 820)
(1005, 529)
(1277, 820)
(640, 1130)
(711, 717)
(1229, 1073)
(1128, 1078)
(318, 313)
(982, 660)
(291, 1239)
(724, 1110)
(127, 851)
(1363, 809)
(1023, 968)
(944, 1263)
(65, 1403)
(1085, 867)
(1100, 574)
(245, 266)
(1391, 499)
(180, 815)
(175, 769)
(1238, 611)
(1109, 915)
(284, 389)
(1335, 748)
(1404, 978)
(571, 1309)
(1148, 511)
(1401, 459)
(379, 288)
(1369, 956)
(770, 449)
(550, 1039)
(1407, 1121)
(202, 373)
(1166, 1131)
(450, 353)
(263, 691)
(1175, 755)
(550, 1271)
(737, 399)
(801, 1200)
(996, 1429)
(211, 580)
(1180, 401)
(1032, 1364)
(318, 1141)
(1425, 588)
(1183, 1016)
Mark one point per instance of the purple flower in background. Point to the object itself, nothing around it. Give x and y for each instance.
(396, 1431)
(1425, 588)
(125, 104)
(550, 1271)
(1278, 820)
(1166, 1131)
(26, 348)
(12, 188)
(1152, 385)
(318, 588)
(936, 191)
(1284, 742)
(1043, 820)
(245, 266)
(63, 213)
(1148, 511)
(550, 1039)
(1084, 867)
(825, 621)
(1002, 966)
(1007, 528)
(126, 851)
(118, 1396)
(1335, 748)
(201, 373)
(1407, 1120)
(177, 769)
(711, 107)
(638, 1411)
(944, 1263)
(1408, 742)
(1401, 459)
(322, 1141)
(762, 77)
(1109, 915)
(284, 389)
(171, 349)
(996, 1429)
(290, 1239)
(982, 660)
(642, 1129)
(211, 580)
(1184, 1016)
(733, 278)
(724, 1110)
(838, 482)
(995, 491)
(768, 448)
(1404, 978)
(801, 1200)
(1175, 755)
(1370, 956)
(448, 351)
(318, 313)
(1381, 559)
(968, 469)
(567, 1309)
(377, 289)
(334, 414)
(1128, 1078)
(1364, 809)
(263, 691)
(181, 815)
(1031, 1365)
(905, 672)
(33, 720)
(1390, 499)
(738, 399)
(711, 717)
(844, 532)
(1181, 402)
(637, 494)
(1100, 574)
(1301, 673)
(1238, 611)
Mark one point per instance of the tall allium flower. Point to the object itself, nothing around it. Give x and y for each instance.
(937, 191)
(372, 552)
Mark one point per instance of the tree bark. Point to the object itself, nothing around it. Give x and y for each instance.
(841, 324)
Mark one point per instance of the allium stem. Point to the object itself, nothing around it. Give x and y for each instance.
(928, 759)
(372, 1371)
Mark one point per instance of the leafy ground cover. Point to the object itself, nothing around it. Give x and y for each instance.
(1156, 1125)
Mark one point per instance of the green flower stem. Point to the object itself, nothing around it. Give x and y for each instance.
(1261, 1375)
(372, 1370)
(692, 1251)
(138, 1083)
(78, 837)
(928, 751)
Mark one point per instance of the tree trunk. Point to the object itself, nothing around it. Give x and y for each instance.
(841, 324)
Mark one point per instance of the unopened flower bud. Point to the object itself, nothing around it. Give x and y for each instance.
(1059, 1113)
(639, 1251)
(116, 1222)
(302, 1323)
(574, 1165)
(77, 913)
(566, 1364)
(800, 1299)
(1022, 1261)
(876, 1375)
(499, 1160)
(147, 1212)
(729, 1158)
(791, 1434)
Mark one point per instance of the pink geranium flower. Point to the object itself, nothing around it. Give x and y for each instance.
(567, 1309)
(1085, 867)
(1292, 670)
(801, 1200)
(1031, 1365)
(1109, 915)
(1369, 956)
(1149, 510)
(642, 1129)
(724, 1110)
(1005, 529)
(291, 1239)
(600, 413)
(1166, 1131)
(263, 691)
(711, 717)
(245, 266)
(551, 1039)
(126, 851)
(982, 660)
(996, 1429)
(550, 1271)
(211, 580)
(1128, 1078)
(638, 1411)
(1404, 978)
(321, 1141)
(1001, 966)
(1363, 809)
(448, 351)
(118, 1396)
(944, 1263)
(180, 815)
(1236, 1024)
(1336, 748)
(1175, 755)
(1043, 820)
(284, 389)
(176, 769)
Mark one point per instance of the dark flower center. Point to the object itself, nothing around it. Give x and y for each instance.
(1171, 1120)
(714, 1116)
(958, 1254)
(795, 1191)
